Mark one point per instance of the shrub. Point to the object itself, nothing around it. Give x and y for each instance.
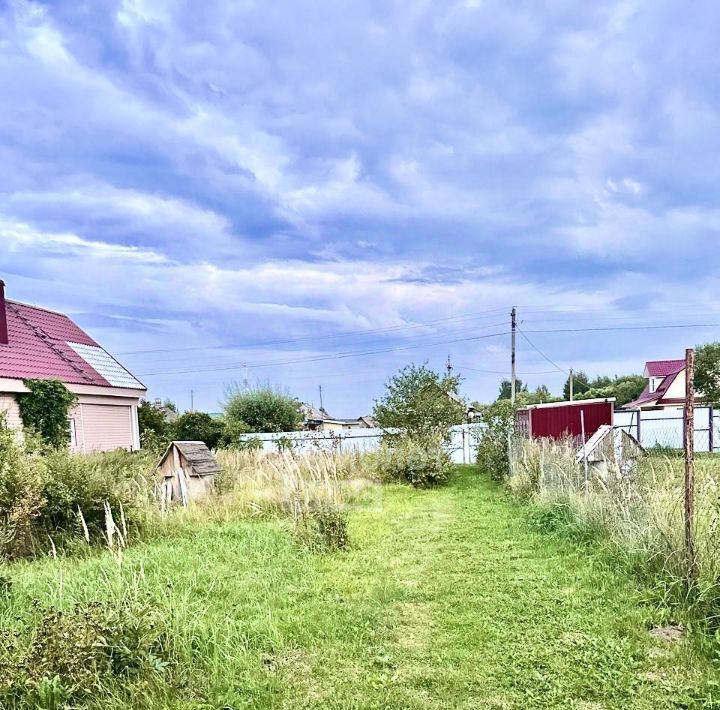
(154, 427)
(323, 531)
(22, 479)
(493, 436)
(45, 410)
(420, 402)
(43, 492)
(421, 461)
(198, 426)
(262, 410)
(72, 654)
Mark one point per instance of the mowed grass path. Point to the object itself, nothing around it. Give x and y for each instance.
(446, 599)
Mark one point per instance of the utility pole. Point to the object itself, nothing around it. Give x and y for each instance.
(449, 367)
(192, 400)
(690, 560)
(513, 329)
(321, 402)
(246, 386)
(572, 383)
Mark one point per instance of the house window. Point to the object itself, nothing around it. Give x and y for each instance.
(72, 433)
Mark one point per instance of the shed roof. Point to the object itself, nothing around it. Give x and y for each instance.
(197, 454)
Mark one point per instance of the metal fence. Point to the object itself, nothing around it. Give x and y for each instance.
(664, 428)
(462, 446)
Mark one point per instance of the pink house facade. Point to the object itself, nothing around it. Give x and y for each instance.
(36, 343)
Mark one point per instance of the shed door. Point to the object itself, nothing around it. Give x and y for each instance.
(106, 427)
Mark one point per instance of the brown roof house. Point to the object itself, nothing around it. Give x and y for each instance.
(36, 343)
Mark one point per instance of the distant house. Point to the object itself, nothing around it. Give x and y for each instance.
(319, 420)
(36, 343)
(665, 388)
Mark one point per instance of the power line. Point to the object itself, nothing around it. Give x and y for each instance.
(537, 349)
(343, 355)
(347, 333)
(319, 358)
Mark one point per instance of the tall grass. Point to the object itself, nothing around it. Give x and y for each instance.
(640, 513)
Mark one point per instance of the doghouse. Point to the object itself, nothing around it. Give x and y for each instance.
(189, 469)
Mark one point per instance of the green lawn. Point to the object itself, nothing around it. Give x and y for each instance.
(446, 599)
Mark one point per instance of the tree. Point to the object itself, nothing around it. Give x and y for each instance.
(198, 426)
(580, 385)
(506, 389)
(45, 409)
(420, 402)
(497, 422)
(154, 429)
(261, 410)
(707, 371)
(624, 389)
(540, 396)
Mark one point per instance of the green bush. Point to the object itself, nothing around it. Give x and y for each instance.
(493, 435)
(43, 490)
(261, 410)
(198, 426)
(69, 655)
(422, 461)
(323, 530)
(45, 409)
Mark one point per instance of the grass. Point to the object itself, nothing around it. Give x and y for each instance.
(638, 515)
(447, 598)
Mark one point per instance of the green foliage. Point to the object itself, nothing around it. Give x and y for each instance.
(198, 426)
(539, 396)
(624, 389)
(581, 384)
(250, 621)
(71, 653)
(43, 490)
(323, 531)
(45, 409)
(506, 389)
(261, 410)
(154, 427)
(707, 371)
(417, 401)
(422, 461)
(493, 433)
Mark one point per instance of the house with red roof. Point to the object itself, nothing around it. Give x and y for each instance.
(665, 388)
(36, 343)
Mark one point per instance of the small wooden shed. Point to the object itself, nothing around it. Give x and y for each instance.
(189, 469)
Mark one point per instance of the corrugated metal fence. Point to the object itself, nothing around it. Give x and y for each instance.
(462, 445)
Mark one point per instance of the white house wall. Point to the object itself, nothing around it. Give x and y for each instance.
(677, 388)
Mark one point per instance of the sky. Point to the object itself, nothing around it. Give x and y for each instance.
(327, 191)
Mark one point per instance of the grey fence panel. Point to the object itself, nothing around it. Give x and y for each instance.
(665, 428)
(462, 446)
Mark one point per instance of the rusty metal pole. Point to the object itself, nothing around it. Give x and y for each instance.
(690, 465)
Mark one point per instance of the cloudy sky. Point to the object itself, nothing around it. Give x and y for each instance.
(329, 190)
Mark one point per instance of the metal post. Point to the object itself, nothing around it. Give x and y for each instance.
(572, 384)
(585, 461)
(690, 560)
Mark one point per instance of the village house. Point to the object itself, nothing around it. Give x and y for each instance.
(665, 388)
(319, 420)
(36, 343)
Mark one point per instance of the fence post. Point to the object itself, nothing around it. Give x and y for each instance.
(690, 561)
(711, 429)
